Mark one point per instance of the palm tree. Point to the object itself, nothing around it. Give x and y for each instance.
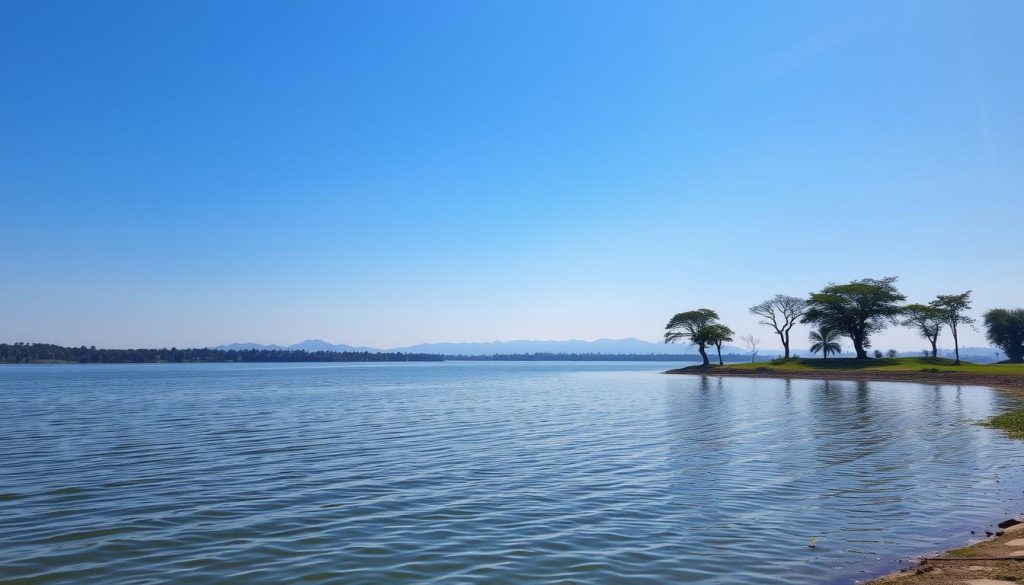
(825, 341)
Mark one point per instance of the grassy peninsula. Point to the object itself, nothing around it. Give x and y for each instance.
(1006, 376)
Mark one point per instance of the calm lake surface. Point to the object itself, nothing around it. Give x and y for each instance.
(484, 473)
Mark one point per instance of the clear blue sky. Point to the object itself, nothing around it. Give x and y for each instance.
(387, 173)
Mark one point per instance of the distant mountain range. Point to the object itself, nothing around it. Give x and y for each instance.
(629, 345)
(308, 345)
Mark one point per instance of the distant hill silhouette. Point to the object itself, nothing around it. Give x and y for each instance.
(630, 345)
(310, 345)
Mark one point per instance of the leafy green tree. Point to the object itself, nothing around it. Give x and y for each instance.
(826, 341)
(781, 313)
(717, 334)
(926, 320)
(1005, 328)
(952, 309)
(692, 327)
(857, 310)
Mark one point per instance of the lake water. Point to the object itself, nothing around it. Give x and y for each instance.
(484, 473)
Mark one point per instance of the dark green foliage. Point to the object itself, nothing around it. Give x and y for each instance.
(19, 353)
(717, 335)
(926, 320)
(857, 310)
(1005, 329)
(826, 341)
(22, 353)
(952, 309)
(694, 327)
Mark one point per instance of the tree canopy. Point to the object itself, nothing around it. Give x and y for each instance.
(952, 310)
(1005, 329)
(717, 334)
(857, 310)
(926, 320)
(693, 327)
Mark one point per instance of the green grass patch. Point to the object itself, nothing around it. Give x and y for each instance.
(1012, 422)
(962, 552)
(907, 364)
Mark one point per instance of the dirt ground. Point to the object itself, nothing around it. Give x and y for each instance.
(990, 562)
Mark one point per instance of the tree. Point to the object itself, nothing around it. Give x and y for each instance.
(1005, 329)
(693, 327)
(857, 310)
(717, 335)
(826, 341)
(781, 313)
(751, 342)
(926, 320)
(892, 353)
(951, 309)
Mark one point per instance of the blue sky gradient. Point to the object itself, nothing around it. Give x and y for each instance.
(388, 173)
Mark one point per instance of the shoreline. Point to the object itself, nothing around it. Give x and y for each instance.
(999, 558)
(995, 560)
(1006, 382)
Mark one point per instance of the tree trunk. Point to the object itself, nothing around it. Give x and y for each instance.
(703, 354)
(785, 345)
(935, 349)
(1014, 354)
(956, 346)
(719, 348)
(858, 346)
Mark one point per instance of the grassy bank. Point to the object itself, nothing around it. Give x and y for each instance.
(913, 364)
(923, 370)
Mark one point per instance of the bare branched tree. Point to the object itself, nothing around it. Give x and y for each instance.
(751, 342)
(780, 313)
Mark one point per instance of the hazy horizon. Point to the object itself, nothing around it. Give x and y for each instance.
(189, 174)
(765, 346)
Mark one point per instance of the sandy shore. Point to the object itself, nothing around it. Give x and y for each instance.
(997, 560)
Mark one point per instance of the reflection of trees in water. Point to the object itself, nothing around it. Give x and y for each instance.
(803, 454)
(701, 420)
(845, 423)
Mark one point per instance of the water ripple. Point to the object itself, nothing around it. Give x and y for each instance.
(483, 473)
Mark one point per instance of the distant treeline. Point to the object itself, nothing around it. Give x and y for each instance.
(26, 353)
(23, 353)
